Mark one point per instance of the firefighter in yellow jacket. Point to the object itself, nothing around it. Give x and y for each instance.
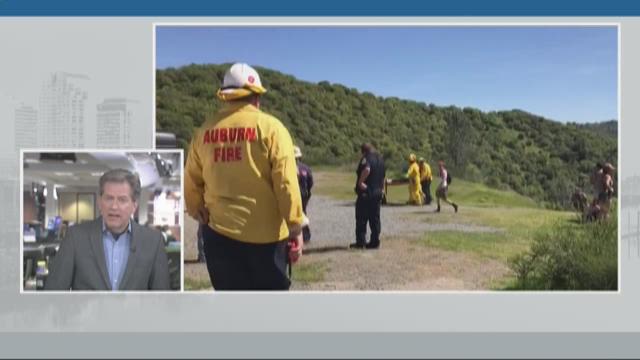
(425, 180)
(241, 180)
(415, 190)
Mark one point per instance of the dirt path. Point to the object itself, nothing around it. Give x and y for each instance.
(332, 222)
(400, 264)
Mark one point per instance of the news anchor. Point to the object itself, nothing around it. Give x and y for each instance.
(111, 252)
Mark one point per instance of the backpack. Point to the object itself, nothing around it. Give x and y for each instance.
(448, 178)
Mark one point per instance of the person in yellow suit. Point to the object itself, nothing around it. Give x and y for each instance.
(425, 180)
(241, 182)
(415, 191)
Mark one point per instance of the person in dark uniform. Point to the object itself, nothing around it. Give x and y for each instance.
(369, 188)
(305, 182)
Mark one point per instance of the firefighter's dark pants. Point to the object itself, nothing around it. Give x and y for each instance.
(236, 265)
(368, 210)
(426, 190)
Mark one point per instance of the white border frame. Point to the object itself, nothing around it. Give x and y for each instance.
(399, 24)
(89, 292)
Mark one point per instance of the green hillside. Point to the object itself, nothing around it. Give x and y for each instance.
(606, 128)
(515, 150)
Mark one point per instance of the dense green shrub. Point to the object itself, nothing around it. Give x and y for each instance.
(570, 256)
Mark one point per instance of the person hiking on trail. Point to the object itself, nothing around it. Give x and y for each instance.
(415, 191)
(425, 180)
(305, 182)
(597, 180)
(443, 188)
(240, 181)
(604, 198)
(369, 188)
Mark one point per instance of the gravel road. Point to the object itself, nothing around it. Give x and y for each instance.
(332, 222)
(400, 263)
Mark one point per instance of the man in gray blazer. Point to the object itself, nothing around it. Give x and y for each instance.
(111, 252)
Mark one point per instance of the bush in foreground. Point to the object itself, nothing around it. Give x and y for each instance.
(570, 256)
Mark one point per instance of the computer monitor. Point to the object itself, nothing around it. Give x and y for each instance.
(51, 224)
(57, 223)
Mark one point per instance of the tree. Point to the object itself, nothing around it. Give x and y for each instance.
(459, 139)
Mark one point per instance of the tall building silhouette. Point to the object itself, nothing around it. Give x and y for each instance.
(62, 110)
(114, 119)
(9, 191)
(26, 127)
(8, 106)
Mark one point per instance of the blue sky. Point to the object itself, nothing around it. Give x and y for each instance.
(562, 73)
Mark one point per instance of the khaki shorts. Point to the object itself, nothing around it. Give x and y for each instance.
(442, 191)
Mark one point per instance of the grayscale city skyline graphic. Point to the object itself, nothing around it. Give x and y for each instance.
(64, 112)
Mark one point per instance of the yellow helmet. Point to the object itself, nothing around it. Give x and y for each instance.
(412, 157)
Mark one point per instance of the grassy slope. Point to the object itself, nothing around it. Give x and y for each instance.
(516, 217)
